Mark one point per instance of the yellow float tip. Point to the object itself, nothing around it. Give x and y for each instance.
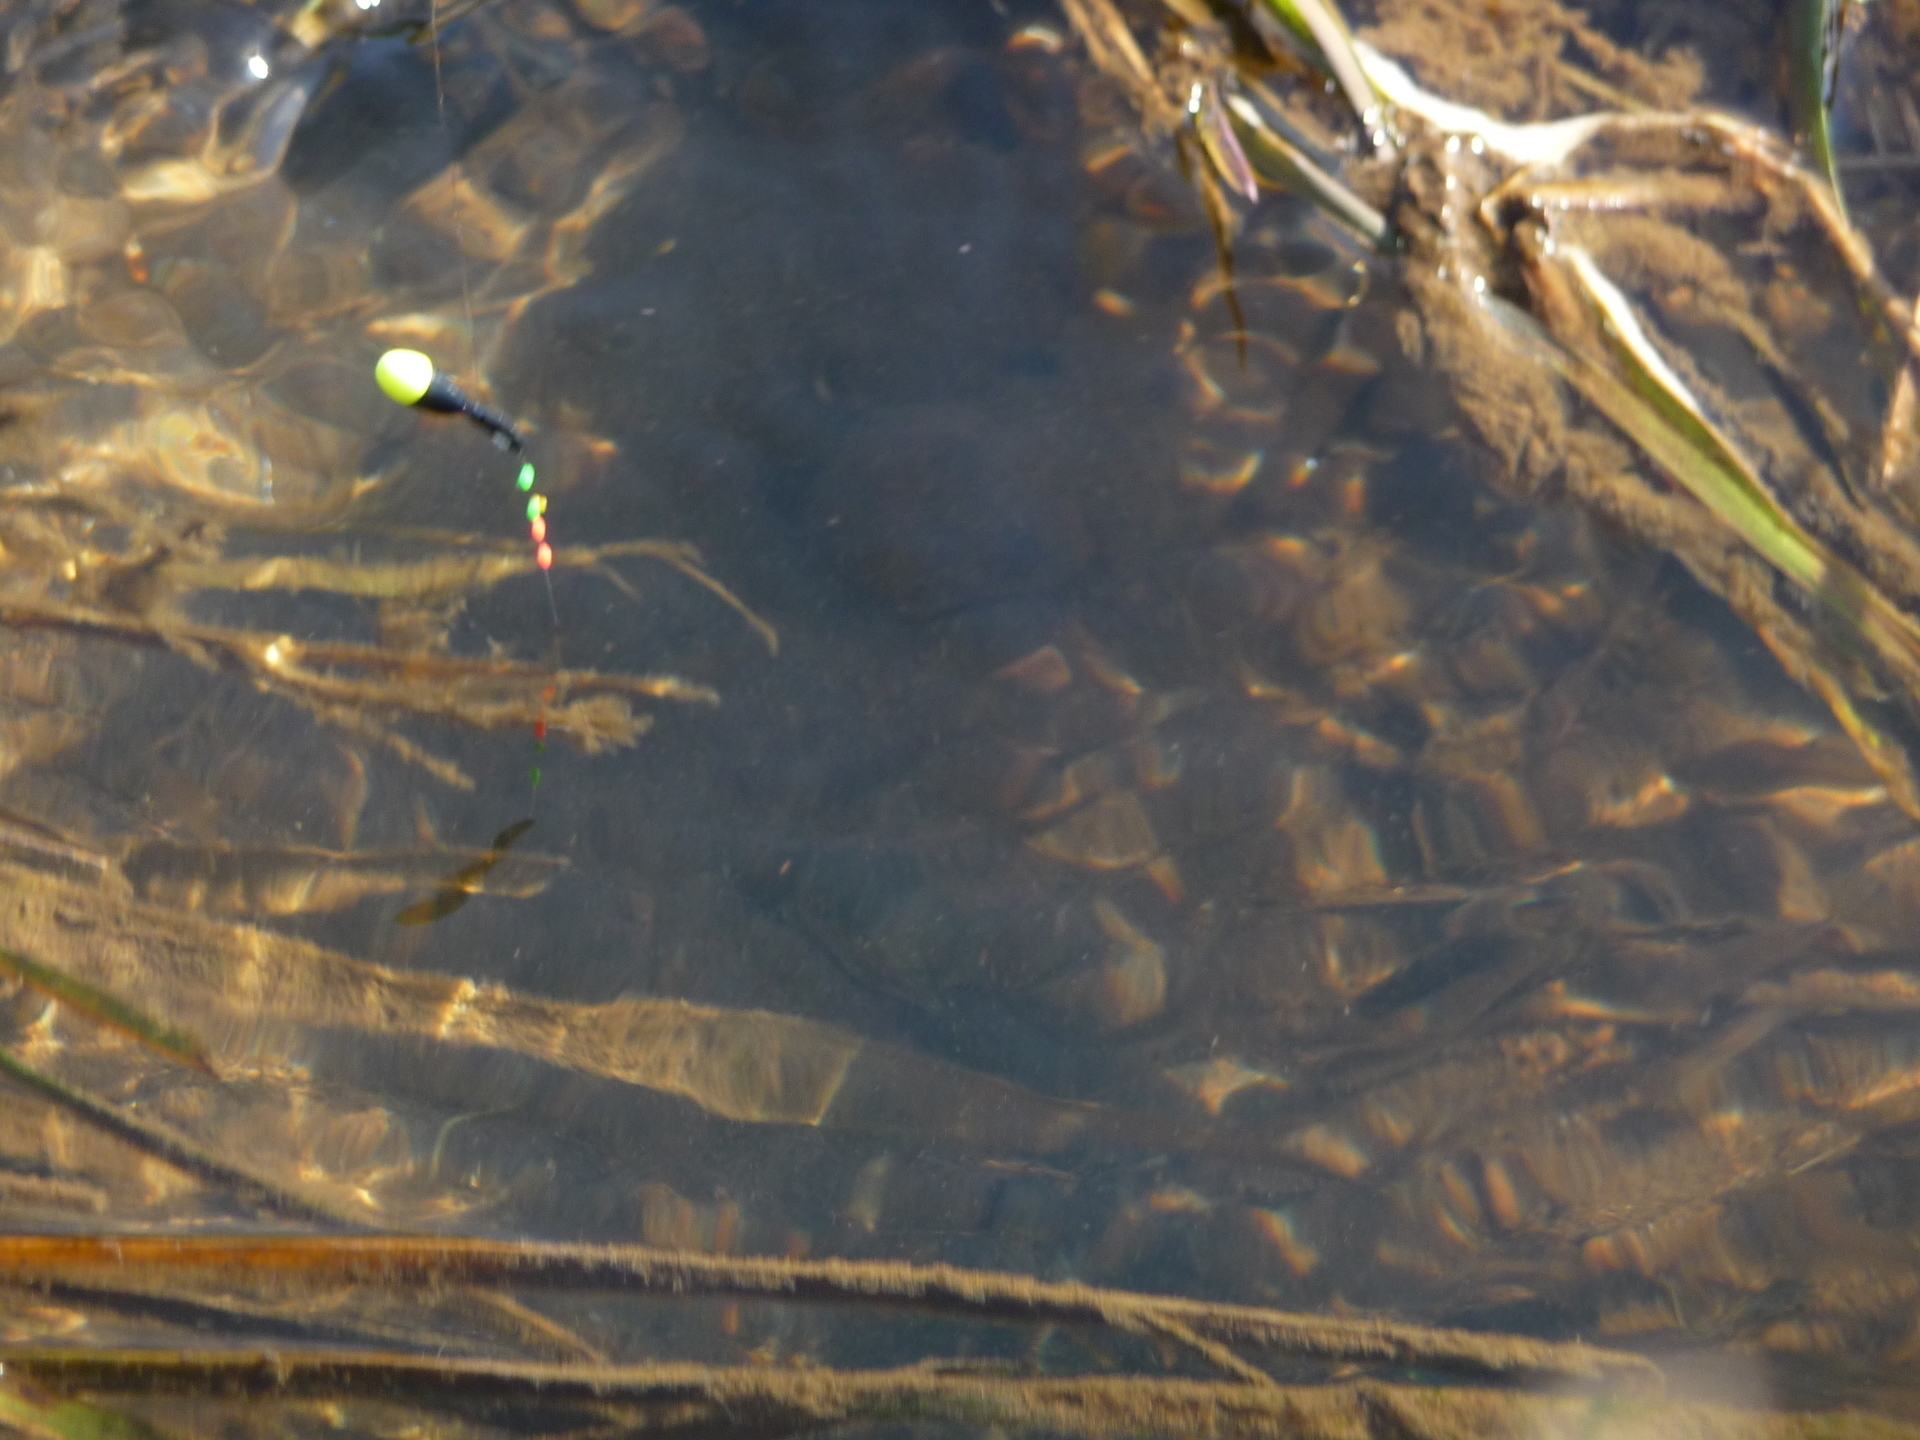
(404, 376)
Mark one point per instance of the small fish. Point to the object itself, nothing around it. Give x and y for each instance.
(464, 883)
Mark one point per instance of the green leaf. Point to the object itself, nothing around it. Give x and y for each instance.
(1813, 59)
(1281, 162)
(108, 1010)
(70, 1420)
(1323, 35)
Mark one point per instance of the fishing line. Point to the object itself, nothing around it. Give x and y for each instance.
(408, 377)
(459, 227)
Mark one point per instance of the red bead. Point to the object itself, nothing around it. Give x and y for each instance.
(543, 556)
(540, 728)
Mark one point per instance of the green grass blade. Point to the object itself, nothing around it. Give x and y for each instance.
(69, 1420)
(107, 1010)
(1655, 410)
(1280, 162)
(1710, 469)
(1322, 33)
(1813, 58)
(1705, 461)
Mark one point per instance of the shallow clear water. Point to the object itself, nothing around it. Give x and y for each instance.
(1348, 886)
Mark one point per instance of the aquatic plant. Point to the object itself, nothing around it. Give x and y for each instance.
(1500, 1054)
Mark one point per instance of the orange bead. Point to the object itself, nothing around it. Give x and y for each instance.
(543, 556)
(539, 528)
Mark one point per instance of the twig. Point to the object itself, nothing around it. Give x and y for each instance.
(165, 1143)
(762, 1400)
(943, 1289)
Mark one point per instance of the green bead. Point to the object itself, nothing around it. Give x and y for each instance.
(536, 777)
(404, 376)
(525, 482)
(535, 504)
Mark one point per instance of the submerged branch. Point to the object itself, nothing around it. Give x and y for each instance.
(165, 1143)
(587, 706)
(448, 576)
(941, 1289)
(742, 1400)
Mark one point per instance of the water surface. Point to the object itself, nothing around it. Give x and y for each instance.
(1330, 883)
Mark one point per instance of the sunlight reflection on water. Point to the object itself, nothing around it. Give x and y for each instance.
(1196, 832)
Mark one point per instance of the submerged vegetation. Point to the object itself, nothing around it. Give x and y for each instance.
(191, 382)
(1486, 943)
(1520, 243)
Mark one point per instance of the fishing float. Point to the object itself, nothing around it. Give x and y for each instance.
(409, 378)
